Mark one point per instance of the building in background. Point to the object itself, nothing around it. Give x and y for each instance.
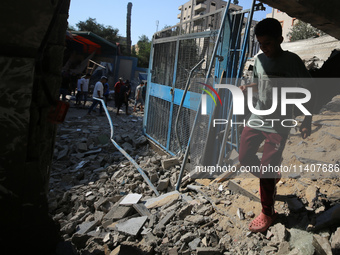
(286, 21)
(195, 8)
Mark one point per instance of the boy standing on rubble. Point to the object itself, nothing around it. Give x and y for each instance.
(272, 63)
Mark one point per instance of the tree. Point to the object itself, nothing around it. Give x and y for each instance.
(107, 32)
(235, 2)
(302, 31)
(128, 28)
(143, 51)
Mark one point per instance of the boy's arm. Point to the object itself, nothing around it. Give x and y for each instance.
(306, 127)
(251, 85)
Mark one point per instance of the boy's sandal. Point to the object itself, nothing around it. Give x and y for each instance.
(262, 222)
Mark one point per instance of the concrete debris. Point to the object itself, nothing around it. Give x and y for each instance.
(104, 206)
(321, 245)
(131, 199)
(132, 226)
(336, 240)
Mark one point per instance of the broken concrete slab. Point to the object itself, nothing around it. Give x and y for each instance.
(130, 199)
(321, 245)
(131, 226)
(86, 227)
(142, 210)
(162, 199)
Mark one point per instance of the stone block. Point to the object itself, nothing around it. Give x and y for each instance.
(131, 226)
(167, 163)
(163, 184)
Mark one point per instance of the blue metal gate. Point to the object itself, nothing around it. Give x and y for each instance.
(219, 43)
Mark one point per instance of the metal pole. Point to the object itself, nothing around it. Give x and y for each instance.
(182, 101)
(140, 170)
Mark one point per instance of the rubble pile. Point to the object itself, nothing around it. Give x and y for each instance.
(104, 206)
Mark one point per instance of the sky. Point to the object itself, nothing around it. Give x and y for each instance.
(144, 17)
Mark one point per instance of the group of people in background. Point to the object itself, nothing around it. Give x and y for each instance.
(122, 92)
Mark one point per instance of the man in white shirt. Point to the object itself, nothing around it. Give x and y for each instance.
(83, 88)
(98, 92)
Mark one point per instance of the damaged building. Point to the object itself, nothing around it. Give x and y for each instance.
(94, 186)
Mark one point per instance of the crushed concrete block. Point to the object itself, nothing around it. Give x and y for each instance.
(311, 195)
(173, 251)
(150, 239)
(194, 244)
(269, 249)
(154, 177)
(163, 184)
(165, 219)
(188, 237)
(321, 245)
(131, 226)
(336, 239)
(279, 233)
(167, 163)
(162, 199)
(185, 211)
(284, 248)
(98, 216)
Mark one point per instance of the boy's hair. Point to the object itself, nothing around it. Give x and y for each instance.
(269, 27)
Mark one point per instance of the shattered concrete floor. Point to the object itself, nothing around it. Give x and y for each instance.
(90, 179)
